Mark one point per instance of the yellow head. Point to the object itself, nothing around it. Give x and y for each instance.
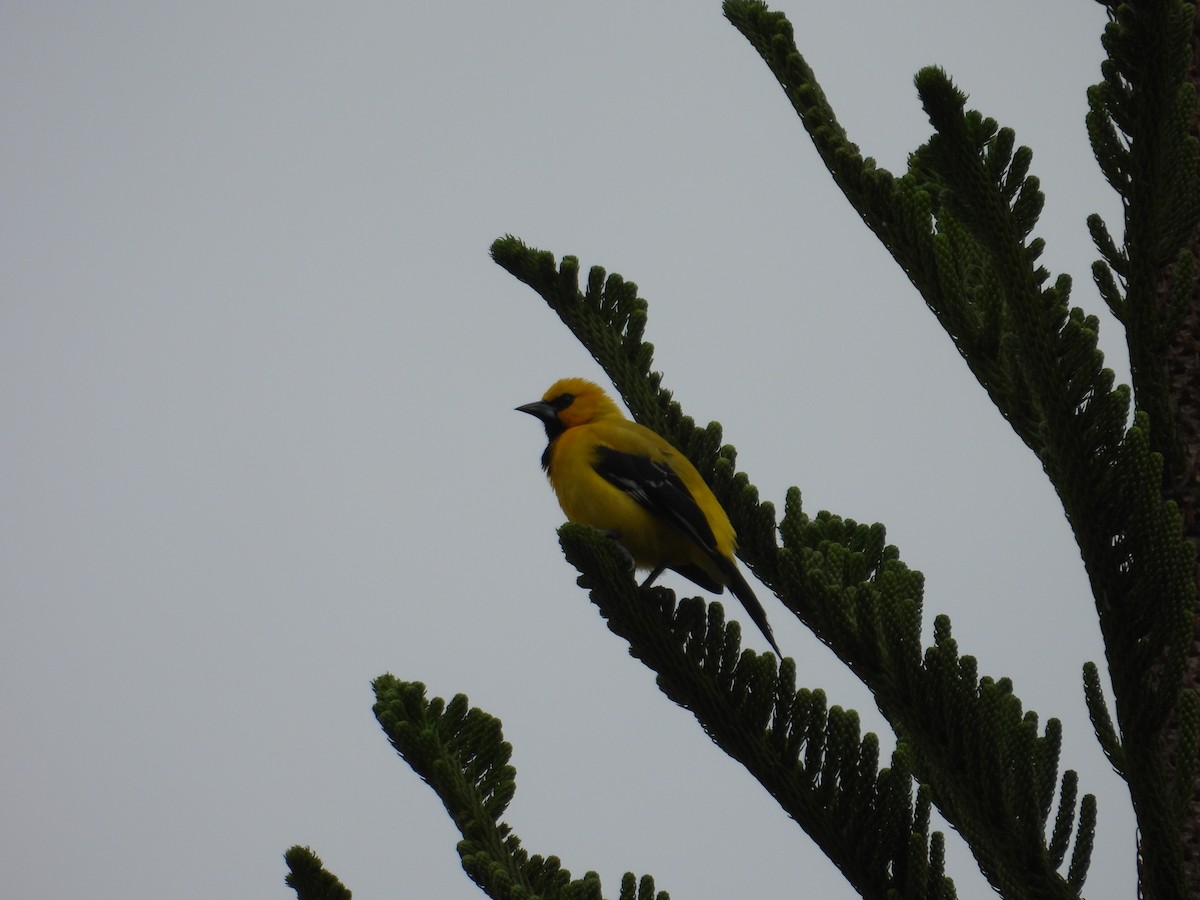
(571, 402)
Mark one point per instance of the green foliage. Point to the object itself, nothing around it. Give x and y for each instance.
(1138, 121)
(460, 752)
(965, 736)
(1140, 124)
(309, 879)
(960, 223)
(809, 757)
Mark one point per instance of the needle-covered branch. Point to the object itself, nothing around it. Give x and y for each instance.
(959, 223)
(810, 757)
(967, 737)
(460, 752)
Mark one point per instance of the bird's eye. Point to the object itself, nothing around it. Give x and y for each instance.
(562, 401)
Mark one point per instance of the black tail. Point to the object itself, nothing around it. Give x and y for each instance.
(740, 589)
(737, 587)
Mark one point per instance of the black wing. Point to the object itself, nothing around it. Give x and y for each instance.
(656, 487)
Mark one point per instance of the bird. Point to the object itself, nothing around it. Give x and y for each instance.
(624, 479)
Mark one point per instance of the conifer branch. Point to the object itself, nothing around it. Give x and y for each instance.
(1139, 122)
(460, 752)
(960, 223)
(1144, 123)
(1102, 722)
(967, 736)
(308, 877)
(970, 207)
(809, 757)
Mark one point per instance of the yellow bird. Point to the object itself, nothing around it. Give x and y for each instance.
(622, 478)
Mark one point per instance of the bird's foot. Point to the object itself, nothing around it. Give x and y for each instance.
(650, 578)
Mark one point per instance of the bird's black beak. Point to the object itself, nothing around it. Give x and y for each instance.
(547, 414)
(540, 410)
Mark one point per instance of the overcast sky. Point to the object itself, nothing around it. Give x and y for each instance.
(257, 379)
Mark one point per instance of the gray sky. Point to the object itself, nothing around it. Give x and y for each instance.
(258, 372)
